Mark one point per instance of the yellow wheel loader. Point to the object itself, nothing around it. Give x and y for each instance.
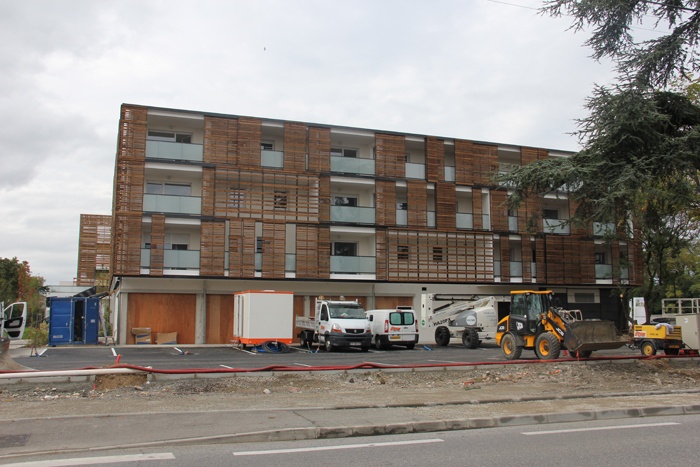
(535, 323)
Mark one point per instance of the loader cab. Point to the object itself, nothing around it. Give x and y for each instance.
(526, 306)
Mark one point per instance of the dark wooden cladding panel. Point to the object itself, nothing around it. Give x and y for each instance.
(94, 250)
(131, 156)
(445, 206)
(435, 155)
(213, 242)
(294, 147)
(324, 198)
(313, 252)
(499, 211)
(584, 248)
(529, 155)
(219, 319)
(569, 260)
(126, 244)
(526, 245)
(576, 227)
(485, 164)
(209, 188)
(391, 156)
(273, 254)
(505, 258)
(319, 150)
(385, 211)
(464, 162)
(157, 249)
(412, 256)
(417, 203)
(249, 138)
(530, 216)
(324, 251)
(241, 248)
(220, 141)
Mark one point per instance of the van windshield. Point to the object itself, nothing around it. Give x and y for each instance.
(347, 311)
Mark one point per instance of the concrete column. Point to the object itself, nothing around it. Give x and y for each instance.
(122, 318)
(200, 319)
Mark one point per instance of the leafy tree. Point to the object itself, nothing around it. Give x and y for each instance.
(640, 155)
(18, 284)
(9, 279)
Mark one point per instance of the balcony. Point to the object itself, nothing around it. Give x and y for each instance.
(269, 158)
(556, 226)
(172, 204)
(173, 259)
(174, 151)
(601, 229)
(603, 271)
(450, 174)
(352, 214)
(353, 264)
(465, 220)
(402, 217)
(416, 171)
(352, 165)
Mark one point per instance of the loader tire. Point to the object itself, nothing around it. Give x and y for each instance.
(442, 336)
(470, 338)
(547, 346)
(511, 350)
(648, 349)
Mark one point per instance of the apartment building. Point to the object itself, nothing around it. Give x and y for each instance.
(208, 204)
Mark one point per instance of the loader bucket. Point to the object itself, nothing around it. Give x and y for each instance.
(593, 335)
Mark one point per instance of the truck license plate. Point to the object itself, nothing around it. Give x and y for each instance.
(355, 344)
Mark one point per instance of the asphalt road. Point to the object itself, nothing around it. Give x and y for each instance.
(167, 358)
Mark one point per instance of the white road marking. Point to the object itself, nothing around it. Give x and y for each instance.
(114, 351)
(446, 361)
(383, 364)
(618, 427)
(226, 366)
(340, 446)
(96, 460)
(301, 364)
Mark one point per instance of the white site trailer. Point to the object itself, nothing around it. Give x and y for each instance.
(261, 316)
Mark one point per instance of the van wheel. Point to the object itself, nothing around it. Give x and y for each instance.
(410, 346)
(380, 343)
(329, 346)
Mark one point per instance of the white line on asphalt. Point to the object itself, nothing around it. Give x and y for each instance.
(226, 366)
(384, 364)
(114, 351)
(96, 460)
(446, 361)
(341, 446)
(618, 427)
(301, 364)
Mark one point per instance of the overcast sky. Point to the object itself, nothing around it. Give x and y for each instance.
(478, 69)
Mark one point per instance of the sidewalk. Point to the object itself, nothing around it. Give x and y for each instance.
(22, 437)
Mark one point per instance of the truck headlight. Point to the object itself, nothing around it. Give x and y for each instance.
(336, 328)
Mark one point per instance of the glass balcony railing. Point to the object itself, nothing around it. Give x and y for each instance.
(352, 214)
(258, 262)
(352, 165)
(555, 226)
(290, 262)
(450, 174)
(516, 269)
(353, 264)
(512, 224)
(497, 268)
(486, 221)
(172, 203)
(431, 219)
(174, 151)
(173, 259)
(414, 170)
(271, 158)
(601, 229)
(465, 220)
(603, 271)
(401, 217)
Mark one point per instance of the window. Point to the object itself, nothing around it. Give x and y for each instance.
(236, 198)
(402, 252)
(343, 152)
(599, 257)
(169, 136)
(176, 241)
(584, 297)
(103, 233)
(402, 206)
(280, 200)
(401, 318)
(161, 188)
(437, 253)
(344, 249)
(258, 245)
(344, 201)
(267, 146)
(550, 213)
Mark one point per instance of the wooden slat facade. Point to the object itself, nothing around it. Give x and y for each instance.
(435, 159)
(417, 203)
(273, 250)
(213, 242)
(385, 210)
(445, 206)
(319, 150)
(295, 147)
(94, 250)
(391, 156)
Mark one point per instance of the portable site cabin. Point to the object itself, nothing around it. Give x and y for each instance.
(74, 320)
(263, 315)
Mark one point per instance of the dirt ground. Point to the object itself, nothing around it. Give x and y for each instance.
(133, 393)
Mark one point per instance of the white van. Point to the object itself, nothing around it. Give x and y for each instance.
(393, 327)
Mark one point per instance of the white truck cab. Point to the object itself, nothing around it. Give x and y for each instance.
(396, 326)
(336, 324)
